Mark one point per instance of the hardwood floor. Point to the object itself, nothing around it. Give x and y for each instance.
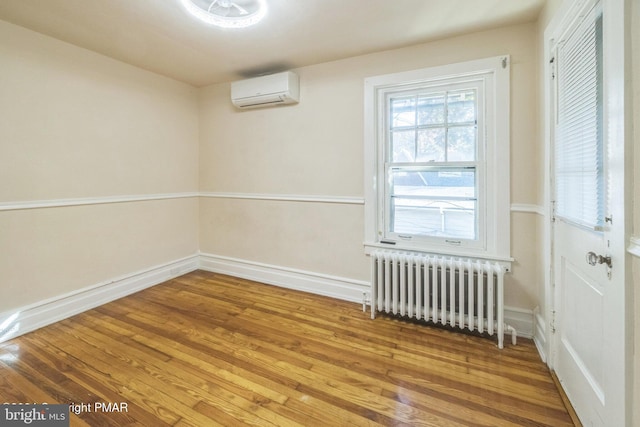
(206, 349)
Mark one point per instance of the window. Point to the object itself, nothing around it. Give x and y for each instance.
(432, 162)
(437, 157)
(579, 173)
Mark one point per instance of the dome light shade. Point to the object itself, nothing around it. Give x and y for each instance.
(227, 13)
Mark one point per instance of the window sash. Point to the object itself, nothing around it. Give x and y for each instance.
(467, 235)
(431, 210)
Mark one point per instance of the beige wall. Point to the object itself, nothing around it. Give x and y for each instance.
(316, 148)
(74, 124)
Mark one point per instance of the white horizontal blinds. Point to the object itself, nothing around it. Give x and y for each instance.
(579, 175)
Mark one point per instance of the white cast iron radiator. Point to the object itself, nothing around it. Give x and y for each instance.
(458, 292)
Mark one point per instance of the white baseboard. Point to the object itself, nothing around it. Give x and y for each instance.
(34, 316)
(336, 287)
(307, 281)
(540, 335)
(29, 318)
(521, 319)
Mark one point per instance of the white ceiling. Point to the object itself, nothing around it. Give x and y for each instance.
(158, 35)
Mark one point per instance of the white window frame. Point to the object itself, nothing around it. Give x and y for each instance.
(492, 172)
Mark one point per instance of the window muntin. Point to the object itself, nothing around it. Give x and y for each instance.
(433, 163)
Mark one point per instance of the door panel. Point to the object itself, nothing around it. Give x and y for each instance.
(581, 354)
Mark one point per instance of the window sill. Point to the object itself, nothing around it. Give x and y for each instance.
(369, 247)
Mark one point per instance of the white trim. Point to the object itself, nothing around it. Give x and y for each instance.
(46, 312)
(348, 200)
(540, 334)
(521, 319)
(301, 280)
(634, 246)
(57, 203)
(369, 247)
(528, 208)
(85, 201)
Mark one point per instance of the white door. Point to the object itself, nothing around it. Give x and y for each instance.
(581, 361)
(588, 348)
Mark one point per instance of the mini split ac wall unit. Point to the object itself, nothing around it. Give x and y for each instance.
(275, 89)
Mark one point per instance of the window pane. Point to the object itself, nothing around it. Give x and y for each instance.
(403, 146)
(403, 112)
(434, 203)
(461, 144)
(579, 155)
(461, 107)
(447, 182)
(434, 218)
(431, 109)
(431, 145)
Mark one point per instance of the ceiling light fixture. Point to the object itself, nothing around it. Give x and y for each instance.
(227, 13)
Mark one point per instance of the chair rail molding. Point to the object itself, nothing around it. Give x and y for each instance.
(84, 201)
(347, 200)
(527, 208)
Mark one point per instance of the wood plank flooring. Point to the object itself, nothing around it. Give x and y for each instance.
(207, 349)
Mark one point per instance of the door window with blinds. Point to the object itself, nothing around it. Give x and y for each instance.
(438, 147)
(579, 174)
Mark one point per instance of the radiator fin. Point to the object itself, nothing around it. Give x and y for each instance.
(457, 292)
